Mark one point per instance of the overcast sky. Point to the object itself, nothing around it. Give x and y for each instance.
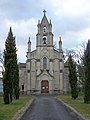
(70, 20)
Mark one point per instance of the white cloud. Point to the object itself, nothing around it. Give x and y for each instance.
(21, 52)
(76, 7)
(84, 35)
(71, 8)
(72, 39)
(22, 29)
(70, 19)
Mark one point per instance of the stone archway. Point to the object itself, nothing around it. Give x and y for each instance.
(44, 86)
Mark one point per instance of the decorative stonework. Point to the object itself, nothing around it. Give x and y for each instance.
(44, 68)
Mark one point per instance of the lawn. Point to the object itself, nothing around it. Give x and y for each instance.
(77, 104)
(8, 111)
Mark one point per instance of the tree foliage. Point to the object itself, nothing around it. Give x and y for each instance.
(16, 83)
(72, 77)
(78, 56)
(1, 57)
(87, 73)
(10, 75)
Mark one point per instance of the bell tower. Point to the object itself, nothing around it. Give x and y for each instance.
(44, 35)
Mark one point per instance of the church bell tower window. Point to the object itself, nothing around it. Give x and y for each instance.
(44, 29)
(44, 39)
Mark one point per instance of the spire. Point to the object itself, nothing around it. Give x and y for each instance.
(50, 21)
(29, 45)
(60, 41)
(44, 19)
(60, 44)
(29, 42)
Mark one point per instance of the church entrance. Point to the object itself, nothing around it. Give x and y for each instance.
(44, 86)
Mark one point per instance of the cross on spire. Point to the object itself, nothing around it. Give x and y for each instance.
(44, 12)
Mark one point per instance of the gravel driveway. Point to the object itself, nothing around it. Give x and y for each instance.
(46, 107)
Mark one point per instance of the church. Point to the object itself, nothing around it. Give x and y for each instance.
(44, 70)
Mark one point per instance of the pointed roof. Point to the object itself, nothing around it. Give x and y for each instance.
(29, 42)
(60, 41)
(44, 18)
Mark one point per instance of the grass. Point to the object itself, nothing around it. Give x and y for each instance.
(77, 104)
(8, 111)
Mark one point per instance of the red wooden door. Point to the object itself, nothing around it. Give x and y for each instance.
(45, 86)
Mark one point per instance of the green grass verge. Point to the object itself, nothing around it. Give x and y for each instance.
(8, 111)
(77, 104)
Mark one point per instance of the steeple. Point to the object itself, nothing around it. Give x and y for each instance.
(44, 19)
(29, 45)
(60, 44)
(44, 35)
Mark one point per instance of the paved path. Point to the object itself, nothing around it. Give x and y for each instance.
(46, 107)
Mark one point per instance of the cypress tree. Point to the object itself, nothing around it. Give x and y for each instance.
(16, 83)
(10, 65)
(87, 73)
(73, 77)
(5, 89)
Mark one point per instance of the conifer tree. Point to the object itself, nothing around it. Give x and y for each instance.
(10, 65)
(87, 73)
(73, 77)
(16, 83)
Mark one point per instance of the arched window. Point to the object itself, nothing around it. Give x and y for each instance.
(44, 63)
(44, 39)
(44, 29)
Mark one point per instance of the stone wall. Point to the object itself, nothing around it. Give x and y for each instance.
(22, 76)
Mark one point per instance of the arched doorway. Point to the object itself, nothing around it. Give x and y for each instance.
(44, 86)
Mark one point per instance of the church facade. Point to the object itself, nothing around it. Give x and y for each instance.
(44, 70)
